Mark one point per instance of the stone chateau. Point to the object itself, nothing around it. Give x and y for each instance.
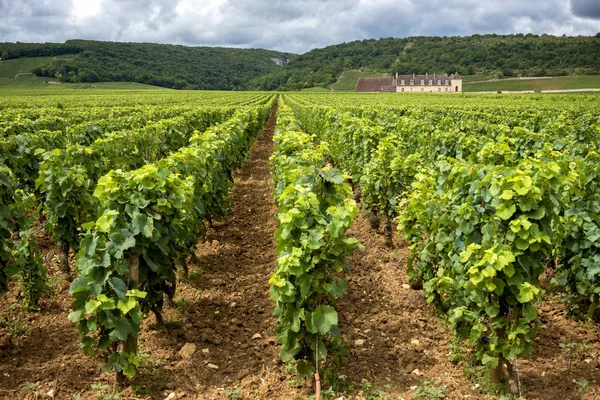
(412, 84)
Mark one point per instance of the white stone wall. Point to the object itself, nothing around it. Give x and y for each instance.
(456, 83)
(426, 89)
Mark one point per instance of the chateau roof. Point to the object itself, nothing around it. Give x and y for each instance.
(417, 79)
(373, 84)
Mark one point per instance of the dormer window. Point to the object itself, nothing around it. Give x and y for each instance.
(430, 82)
(402, 82)
(439, 82)
(412, 82)
(446, 82)
(422, 82)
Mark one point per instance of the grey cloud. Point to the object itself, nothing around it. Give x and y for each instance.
(586, 8)
(295, 26)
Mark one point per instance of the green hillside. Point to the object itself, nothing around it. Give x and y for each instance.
(12, 67)
(477, 57)
(490, 55)
(485, 83)
(554, 83)
(172, 66)
(348, 79)
(31, 82)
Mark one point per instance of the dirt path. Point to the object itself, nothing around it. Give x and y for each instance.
(225, 308)
(402, 340)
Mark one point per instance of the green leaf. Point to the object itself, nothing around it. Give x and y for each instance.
(88, 225)
(75, 316)
(106, 220)
(537, 214)
(90, 245)
(136, 293)
(126, 306)
(465, 255)
(522, 244)
(529, 312)
(304, 369)
(506, 210)
(333, 175)
(119, 287)
(143, 224)
(122, 330)
(527, 292)
(492, 310)
(490, 362)
(129, 371)
(324, 318)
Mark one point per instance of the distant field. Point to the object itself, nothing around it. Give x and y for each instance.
(10, 68)
(558, 82)
(475, 78)
(347, 82)
(9, 80)
(315, 89)
(29, 82)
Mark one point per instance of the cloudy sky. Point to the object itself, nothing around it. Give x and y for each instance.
(286, 25)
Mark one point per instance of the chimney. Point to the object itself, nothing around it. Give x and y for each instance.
(413, 75)
(426, 75)
(396, 78)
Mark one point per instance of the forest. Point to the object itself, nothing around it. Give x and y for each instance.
(172, 66)
(217, 68)
(499, 55)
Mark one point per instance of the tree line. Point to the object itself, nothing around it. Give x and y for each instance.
(172, 66)
(217, 68)
(497, 55)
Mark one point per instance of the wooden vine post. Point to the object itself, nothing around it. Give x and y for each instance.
(130, 345)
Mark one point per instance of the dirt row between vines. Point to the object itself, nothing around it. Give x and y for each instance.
(395, 340)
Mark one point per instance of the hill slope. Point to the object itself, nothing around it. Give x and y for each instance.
(500, 55)
(184, 67)
(173, 66)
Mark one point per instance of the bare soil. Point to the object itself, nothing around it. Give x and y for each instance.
(395, 339)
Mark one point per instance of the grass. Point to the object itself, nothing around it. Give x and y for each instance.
(347, 82)
(476, 78)
(315, 89)
(30, 82)
(557, 82)
(15, 74)
(10, 68)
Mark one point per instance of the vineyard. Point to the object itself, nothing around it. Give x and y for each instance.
(252, 245)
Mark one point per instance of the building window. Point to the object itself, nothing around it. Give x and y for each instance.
(422, 89)
(422, 82)
(439, 82)
(403, 88)
(411, 89)
(445, 82)
(402, 82)
(446, 89)
(439, 89)
(430, 81)
(456, 89)
(412, 82)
